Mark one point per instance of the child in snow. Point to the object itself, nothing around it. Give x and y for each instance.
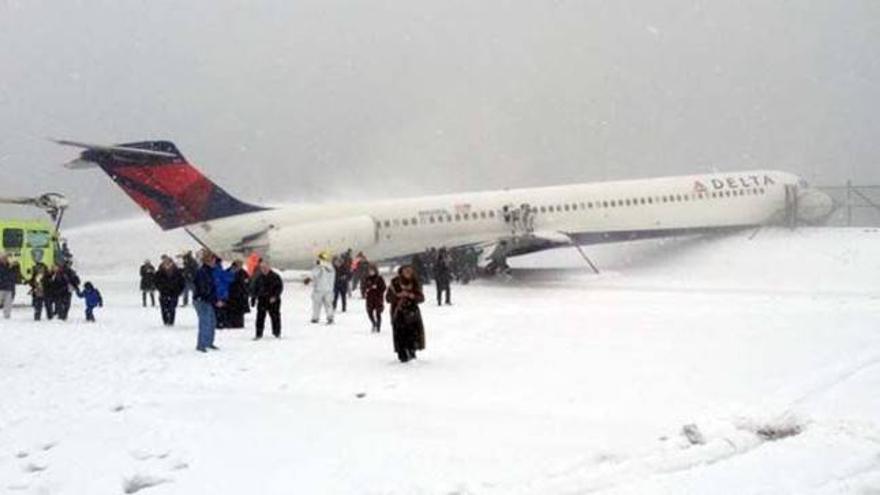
(93, 299)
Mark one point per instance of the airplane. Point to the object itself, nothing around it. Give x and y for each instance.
(502, 223)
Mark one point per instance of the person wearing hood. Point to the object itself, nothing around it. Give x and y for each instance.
(322, 279)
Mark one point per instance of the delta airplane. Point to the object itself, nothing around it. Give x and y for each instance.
(502, 223)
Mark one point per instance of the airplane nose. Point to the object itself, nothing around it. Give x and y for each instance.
(814, 206)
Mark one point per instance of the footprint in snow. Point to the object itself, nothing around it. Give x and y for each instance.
(143, 455)
(118, 408)
(49, 446)
(21, 454)
(34, 468)
(140, 482)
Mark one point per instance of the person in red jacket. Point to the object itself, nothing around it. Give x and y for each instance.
(373, 292)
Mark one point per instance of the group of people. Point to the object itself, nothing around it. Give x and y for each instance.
(330, 283)
(51, 289)
(222, 295)
(174, 281)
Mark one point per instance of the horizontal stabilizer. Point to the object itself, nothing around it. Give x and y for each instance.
(115, 148)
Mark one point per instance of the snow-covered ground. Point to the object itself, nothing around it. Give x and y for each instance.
(557, 381)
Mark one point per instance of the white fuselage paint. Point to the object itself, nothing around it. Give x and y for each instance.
(293, 235)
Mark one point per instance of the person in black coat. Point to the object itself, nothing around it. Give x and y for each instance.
(341, 283)
(267, 291)
(443, 277)
(148, 283)
(38, 290)
(62, 280)
(237, 304)
(8, 277)
(373, 291)
(170, 283)
(405, 294)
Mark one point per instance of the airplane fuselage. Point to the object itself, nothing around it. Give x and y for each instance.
(291, 236)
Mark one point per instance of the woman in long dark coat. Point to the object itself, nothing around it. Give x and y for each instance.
(237, 305)
(405, 294)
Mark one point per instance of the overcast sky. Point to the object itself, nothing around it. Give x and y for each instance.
(315, 100)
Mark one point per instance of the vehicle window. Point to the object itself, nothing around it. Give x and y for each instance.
(13, 238)
(38, 238)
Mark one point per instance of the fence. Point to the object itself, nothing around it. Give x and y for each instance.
(858, 205)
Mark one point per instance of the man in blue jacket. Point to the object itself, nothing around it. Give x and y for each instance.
(205, 301)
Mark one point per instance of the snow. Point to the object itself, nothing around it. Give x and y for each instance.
(557, 381)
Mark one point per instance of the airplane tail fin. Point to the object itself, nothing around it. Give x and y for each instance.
(160, 180)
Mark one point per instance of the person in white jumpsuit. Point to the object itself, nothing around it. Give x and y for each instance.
(322, 278)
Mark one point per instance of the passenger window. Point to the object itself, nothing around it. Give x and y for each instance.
(590, 205)
(483, 214)
(387, 224)
(605, 204)
(457, 217)
(466, 215)
(415, 221)
(491, 213)
(405, 222)
(431, 219)
(396, 222)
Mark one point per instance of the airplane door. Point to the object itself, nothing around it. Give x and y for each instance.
(520, 219)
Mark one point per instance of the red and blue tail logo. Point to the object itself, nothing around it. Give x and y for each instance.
(159, 179)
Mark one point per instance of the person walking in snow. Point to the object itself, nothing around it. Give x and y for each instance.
(373, 291)
(238, 295)
(169, 282)
(359, 267)
(323, 279)
(267, 292)
(37, 284)
(189, 268)
(92, 298)
(443, 277)
(340, 284)
(7, 286)
(222, 282)
(63, 279)
(205, 301)
(148, 283)
(405, 294)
